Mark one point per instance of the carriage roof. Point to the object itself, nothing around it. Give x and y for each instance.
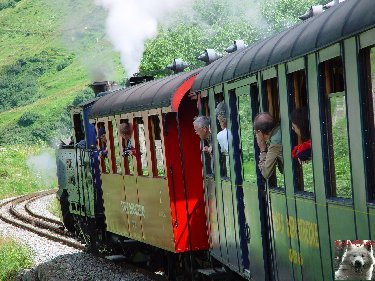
(158, 93)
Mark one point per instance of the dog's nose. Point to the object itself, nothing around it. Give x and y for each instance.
(357, 264)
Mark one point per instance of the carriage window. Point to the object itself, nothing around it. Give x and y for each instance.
(245, 116)
(142, 152)
(271, 98)
(206, 143)
(127, 148)
(157, 146)
(223, 135)
(271, 105)
(368, 112)
(102, 147)
(301, 139)
(335, 131)
(78, 128)
(114, 145)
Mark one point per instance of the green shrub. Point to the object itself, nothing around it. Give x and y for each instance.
(62, 65)
(85, 95)
(13, 258)
(5, 4)
(28, 118)
(19, 84)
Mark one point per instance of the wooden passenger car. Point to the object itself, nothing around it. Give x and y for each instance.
(285, 229)
(155, 196)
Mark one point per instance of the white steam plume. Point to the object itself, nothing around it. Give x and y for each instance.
(131, 22)
(43, 167)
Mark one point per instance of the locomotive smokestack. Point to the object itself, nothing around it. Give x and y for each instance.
(177, 66)
(237, 45)
(209, 56)
(104, 86)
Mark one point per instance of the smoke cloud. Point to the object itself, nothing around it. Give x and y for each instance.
(131, 22)
(43, 166)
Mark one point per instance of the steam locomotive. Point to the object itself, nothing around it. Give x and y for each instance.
(162, 205)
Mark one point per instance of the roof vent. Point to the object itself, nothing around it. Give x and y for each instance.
(209, 56)
(332, 3)
(313, 11)
(237, 45)
(138, 78)
(177, 66)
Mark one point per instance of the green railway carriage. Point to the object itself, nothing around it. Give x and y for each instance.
(285, 228)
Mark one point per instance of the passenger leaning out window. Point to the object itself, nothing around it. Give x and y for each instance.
(268, 135)
(126, 131)
(103, 152)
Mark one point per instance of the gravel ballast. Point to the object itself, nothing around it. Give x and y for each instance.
(54, 261)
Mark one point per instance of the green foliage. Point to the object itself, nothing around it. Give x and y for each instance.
(13, 258)
(28, 118)
(15, 176)
(341, 158)
(187, 41)
(4, 4)
(216, 24)
(84, 95)
(281, 14)
(19, 85)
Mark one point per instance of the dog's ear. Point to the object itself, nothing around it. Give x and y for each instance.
(349, 244)
(368, 246)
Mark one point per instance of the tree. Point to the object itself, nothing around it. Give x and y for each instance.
(216, 24)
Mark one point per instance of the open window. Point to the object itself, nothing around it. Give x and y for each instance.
(300, 132)
(335, 130)
(206, 144)
(140, 146)
(157, 157)
(244, 105)
(127, 148)
(114, 147)
(102, 146)
(271, 105)
(368, 113)
(79, 132)
(223, 135)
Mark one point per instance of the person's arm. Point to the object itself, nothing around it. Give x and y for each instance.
(268, 160)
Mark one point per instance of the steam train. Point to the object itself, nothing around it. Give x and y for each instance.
(216, 217)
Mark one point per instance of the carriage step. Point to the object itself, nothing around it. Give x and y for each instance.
(116, 258)
(216, 273)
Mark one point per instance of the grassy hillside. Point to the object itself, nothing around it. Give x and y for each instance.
(44, 54)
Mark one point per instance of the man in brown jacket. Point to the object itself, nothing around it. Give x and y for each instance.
(268, 136)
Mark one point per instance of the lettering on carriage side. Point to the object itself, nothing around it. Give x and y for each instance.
(305, 231)
(133, 209)
(295, 257)
(278, 222)
(308, 233)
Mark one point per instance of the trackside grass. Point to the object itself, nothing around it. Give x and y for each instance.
(13, 258)
(21, 169)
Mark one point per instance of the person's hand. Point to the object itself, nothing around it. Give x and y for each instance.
(303, 161)
(261, 142)
(207, 149)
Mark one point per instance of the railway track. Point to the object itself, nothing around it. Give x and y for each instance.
(43, 226)
(27, 219)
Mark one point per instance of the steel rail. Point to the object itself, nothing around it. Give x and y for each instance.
(31, 225)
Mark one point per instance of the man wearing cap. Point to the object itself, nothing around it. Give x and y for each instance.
(126, 131)
(103, 152)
